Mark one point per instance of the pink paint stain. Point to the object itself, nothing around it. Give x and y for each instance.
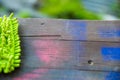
(50, 50)
(47, 51)
(37, 73)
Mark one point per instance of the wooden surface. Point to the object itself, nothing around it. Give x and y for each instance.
(68, 50)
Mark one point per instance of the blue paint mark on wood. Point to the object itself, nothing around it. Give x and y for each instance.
(111, 53)
(77, 29)
(113, 76)
(109, 33)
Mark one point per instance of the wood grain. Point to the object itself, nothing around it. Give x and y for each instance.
(71, 29)
(56, 49)
(68, 54)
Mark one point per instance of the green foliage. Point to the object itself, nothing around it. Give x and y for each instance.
(68, 9)
(116, 9)
(9, 44)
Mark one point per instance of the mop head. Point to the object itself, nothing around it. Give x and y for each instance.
(9, 44)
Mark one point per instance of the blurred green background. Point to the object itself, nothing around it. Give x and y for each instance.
(62, 9)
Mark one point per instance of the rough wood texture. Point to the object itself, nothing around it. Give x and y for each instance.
(68, 50)
(71, 29)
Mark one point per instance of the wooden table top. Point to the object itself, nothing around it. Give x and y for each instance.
(56, 49)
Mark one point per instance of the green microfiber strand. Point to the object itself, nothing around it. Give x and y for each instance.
(9, 44)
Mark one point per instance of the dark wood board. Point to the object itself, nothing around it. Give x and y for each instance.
(55, 50)
(59, 74)
(69, 54)
(71, 29)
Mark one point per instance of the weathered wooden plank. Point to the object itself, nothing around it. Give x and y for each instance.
(71, 29)
(40, 27)
(60, 54)
(68, 50)
(59, 74)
